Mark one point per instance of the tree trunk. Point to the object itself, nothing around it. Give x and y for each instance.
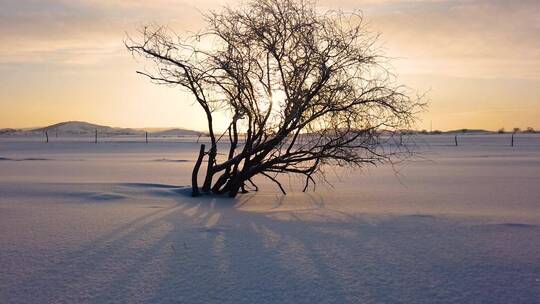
(209, 171)
(221, 182)
(234, 191)
(194, 186)
(234, 184)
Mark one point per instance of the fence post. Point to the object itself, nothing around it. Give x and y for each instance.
(146, 134)
(455, 140)
(95, 137)
(512, 143)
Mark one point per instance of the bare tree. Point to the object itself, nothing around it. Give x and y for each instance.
(302, 89)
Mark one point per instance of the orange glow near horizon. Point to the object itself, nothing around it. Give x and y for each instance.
(478, 61)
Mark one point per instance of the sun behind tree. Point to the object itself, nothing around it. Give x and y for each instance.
(302, 89)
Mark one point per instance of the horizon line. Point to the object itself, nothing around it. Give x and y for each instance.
(198, 130)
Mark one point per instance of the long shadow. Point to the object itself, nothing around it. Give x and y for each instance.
(98, 254)
(243, 268)
(100, 248)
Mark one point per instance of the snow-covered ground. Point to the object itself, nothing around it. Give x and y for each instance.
(114, 223)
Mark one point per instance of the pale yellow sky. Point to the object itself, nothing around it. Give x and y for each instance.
(62, 60)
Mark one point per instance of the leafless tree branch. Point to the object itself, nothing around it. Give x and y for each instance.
(303, 89)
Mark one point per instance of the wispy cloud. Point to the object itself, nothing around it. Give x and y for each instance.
(483, 38)
(32, 31)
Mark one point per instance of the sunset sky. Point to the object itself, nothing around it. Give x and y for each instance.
(478, 61)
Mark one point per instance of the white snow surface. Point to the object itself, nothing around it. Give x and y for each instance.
(114, 223)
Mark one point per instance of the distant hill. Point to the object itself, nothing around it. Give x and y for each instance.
(469, 131)
(9, 131)
(176, 132)
(82, 128)
(85, 128)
